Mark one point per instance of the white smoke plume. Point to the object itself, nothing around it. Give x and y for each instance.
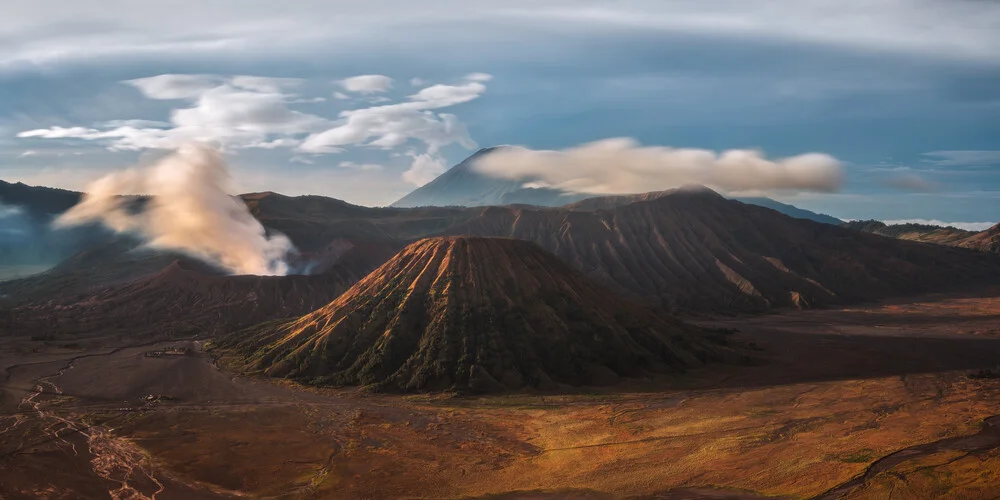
(622, 165)
(189, 211)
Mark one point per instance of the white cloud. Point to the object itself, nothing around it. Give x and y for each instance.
(301, 159)
(238, 111)
(53, 31)
(190, 211)
(9, 210)
(440, 96)
(27, 153)
(135, 124)
(171, 86)
(252, 112)
(424, 169)
(394, 125)
(366, 84)
(340, 95)
(621, 165)
(417, 82)
(479, 77)
(60, 133)
(968, 226)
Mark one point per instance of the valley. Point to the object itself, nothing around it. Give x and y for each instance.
(857, 402)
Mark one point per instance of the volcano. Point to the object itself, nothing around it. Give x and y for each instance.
(476, 315)
(185, 298)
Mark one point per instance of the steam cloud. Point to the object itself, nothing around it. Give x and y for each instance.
(189, 211)
(622, 165)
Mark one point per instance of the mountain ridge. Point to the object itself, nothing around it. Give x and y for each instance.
(471, 314)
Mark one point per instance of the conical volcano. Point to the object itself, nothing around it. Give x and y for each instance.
(471, 314)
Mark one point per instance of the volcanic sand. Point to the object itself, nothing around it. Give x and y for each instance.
(861, 402)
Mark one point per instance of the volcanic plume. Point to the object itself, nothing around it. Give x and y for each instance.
(189, 211)
(471, 314)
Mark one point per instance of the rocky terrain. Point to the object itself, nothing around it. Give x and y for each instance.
(472, 314)
(693, 250)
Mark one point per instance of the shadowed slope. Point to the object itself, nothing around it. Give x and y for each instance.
(693, 250)
(984, 241)
(182, 299)
(479, 314)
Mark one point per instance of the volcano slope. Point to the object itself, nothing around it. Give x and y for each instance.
(693, 250)
(471, 315)
(183, 297)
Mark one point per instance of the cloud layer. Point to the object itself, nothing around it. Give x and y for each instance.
(622, 165)
(239, 112)
(189, 211)
(54, 30)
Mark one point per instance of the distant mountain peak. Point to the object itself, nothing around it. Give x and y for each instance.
(464, 186)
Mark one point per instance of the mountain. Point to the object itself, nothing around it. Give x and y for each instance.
(463, 186)
(983, 241)
(26, 236)
(42, 203)
(184, 298)
(693, 250)
(471, 314)
(790, 210)
(689, 250)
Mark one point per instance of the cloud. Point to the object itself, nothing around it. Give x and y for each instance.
(366, 84)
(621, 165)
(301, 159)
(27, 153)
(340, 95)
(393, 125)
(424, 169)
(241, 112)
(189, 211)
(135, 124)
(174, 86)
(60, 133)
(9, 210)
(238, 111)
(417, 82)
(911, 182)
(59, 33)
(968, 226)
(963, 158)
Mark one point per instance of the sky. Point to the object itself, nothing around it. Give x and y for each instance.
(364, 101)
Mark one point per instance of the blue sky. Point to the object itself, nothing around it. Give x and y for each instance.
(905, 95)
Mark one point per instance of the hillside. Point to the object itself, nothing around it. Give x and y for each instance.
(983, 241)
(689, 250)
(471, 314)
(40, 202)
(185, 298)
(693, 250)
(790, 210)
